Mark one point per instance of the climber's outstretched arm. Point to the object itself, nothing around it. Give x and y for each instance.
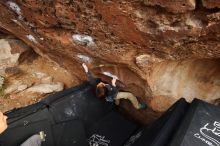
(89, 75)
(85, 67)
(114, 81)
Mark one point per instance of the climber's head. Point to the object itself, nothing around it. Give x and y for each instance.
(101, 90)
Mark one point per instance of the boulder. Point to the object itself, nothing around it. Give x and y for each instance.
(147, 44)
(10, 52)
(46, 88)
(16, 86)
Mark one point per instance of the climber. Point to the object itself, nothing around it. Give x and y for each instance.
(34, 140)
(110, 91)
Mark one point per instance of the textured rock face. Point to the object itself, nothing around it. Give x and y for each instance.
(188, 78)
(1, 82)
(26, 77)
(134, 40)
(10, 51)
(211, 3)
(175, 6)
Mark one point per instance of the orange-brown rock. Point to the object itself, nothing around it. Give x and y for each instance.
(175, 6)
(143, 45)
(194, 78)
(211, 3)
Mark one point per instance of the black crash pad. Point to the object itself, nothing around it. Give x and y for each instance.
(54, 112)
(111, 130)
(162, 130)
(71, 133)
(200, 127)
(80, 104)
(75, 117)
(195, 124)
(21, 129)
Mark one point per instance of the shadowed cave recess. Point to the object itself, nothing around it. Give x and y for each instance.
(159, 50)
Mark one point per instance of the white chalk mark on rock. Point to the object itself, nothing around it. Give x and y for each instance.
(83, 39)
(164, 28)
(84, 58)
(41, 39)
(110, 75)
(17, 22)
(14, 7)
(31, 38)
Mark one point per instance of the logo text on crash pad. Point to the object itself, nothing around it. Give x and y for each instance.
(98, 140)
(209, 134)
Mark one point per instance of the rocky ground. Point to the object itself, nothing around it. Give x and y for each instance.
(27, 77)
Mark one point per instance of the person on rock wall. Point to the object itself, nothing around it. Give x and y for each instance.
(34, 140)
(110, 91)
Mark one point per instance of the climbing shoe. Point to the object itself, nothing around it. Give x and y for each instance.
(143, 106)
